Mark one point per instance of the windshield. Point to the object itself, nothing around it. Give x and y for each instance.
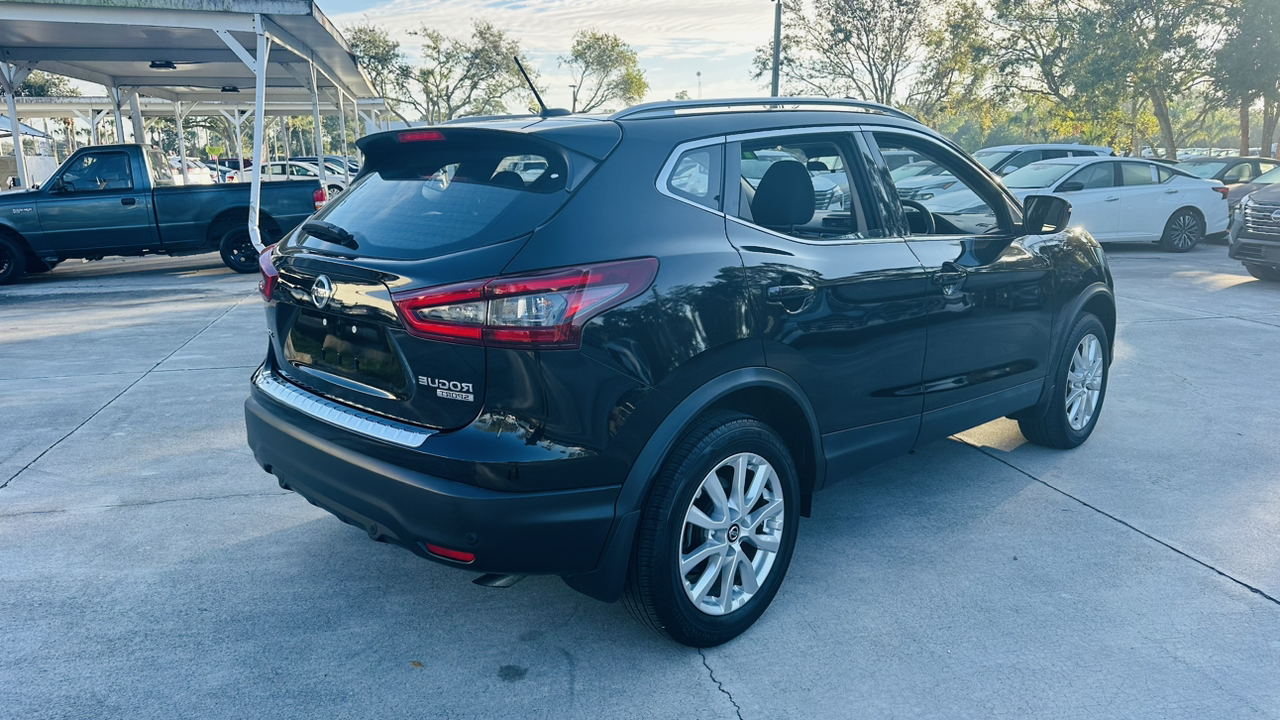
(916, 169)
(1036, 175)
(434, 198)
(1201, 169)
(991, 158)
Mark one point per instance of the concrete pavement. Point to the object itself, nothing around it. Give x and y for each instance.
(150, 569)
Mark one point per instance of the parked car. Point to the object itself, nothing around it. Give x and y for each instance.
(1229, 171)
(279, 171)
(1255, 233)
(1130, 200)
(1000, 160)
(333, 160)
(1236, 193)
(637, 374)
(123, 200)
(197, 173)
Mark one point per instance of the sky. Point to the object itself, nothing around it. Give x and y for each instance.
(675, 39)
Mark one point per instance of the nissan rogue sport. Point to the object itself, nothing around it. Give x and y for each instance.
(635, 368)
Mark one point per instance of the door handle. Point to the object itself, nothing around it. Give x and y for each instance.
(950, 275)
(1170, 192)
(1113, 198)
(782, 293)
(128, 201)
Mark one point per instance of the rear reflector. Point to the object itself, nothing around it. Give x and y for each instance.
(539, 311)
(267, 285)
(446, 553)
(420, 136)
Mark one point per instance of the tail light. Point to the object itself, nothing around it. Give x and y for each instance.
(1223, 191)
(321, 196)
(267, 285)
(543, 310)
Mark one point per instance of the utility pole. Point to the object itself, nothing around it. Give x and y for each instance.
(699, 84)
(777, 43)
(574, 108)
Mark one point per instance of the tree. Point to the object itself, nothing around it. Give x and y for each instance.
(384, 62)
(957, 66)
(467, 77)
(605, 69)
(847, 47)
(43, 84)
(1247, 66)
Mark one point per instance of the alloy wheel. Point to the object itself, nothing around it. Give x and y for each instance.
(731, 534)
(1084, 382)
(1184, 231)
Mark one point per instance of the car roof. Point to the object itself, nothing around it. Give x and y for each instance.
(1226, 158)
(1049, 146)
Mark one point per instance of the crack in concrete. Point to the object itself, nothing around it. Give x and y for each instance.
(117, 396)
(144, 503)
(1257, 591)
(712, 673)
(116, 374)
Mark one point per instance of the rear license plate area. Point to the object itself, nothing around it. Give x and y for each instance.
(354, 350)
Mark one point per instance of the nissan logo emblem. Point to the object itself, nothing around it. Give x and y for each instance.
(1276, 216)
(321, 291)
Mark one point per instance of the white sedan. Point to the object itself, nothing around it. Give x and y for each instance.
(295, 170)
(1129, 199)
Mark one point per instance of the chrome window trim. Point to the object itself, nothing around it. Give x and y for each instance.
(358, 422)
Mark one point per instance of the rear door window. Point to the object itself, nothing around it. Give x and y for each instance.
(1132, 174)
(425, 199)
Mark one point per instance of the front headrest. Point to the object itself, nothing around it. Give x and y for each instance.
(784, 196)
(817, 166)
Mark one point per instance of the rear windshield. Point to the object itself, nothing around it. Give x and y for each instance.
(437, 197)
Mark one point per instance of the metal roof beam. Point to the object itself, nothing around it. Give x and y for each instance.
(144, 17)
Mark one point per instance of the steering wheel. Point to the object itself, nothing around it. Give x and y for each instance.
(930, 227)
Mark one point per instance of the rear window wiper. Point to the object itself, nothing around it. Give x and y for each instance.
(330, 233)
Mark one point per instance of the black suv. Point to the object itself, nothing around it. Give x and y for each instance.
(1255, 233)
(635, 369)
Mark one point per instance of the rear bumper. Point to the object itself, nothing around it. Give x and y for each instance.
(556, 533)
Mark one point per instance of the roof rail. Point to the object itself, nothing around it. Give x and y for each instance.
(668, 109)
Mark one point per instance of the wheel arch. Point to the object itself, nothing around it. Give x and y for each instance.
(229, 218)
(765, 393)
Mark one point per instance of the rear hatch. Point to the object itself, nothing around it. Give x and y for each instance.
(430, 208)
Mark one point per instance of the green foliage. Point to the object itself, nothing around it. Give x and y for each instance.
(43, 84)
(605, 69)
(471, 76)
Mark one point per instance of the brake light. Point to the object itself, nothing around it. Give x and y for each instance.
(544, 310)
(320, 196)
(1223, 191)
(267, 285)
(420, 136)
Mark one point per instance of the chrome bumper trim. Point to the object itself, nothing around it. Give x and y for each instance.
(339, 415)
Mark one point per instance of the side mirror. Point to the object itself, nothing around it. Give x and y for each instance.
(57, 186)
(1045, 214)
(1072, 186)
(1007, 169)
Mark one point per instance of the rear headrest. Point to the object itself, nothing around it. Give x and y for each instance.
(784, 196)
(508, 179)
(817, 166)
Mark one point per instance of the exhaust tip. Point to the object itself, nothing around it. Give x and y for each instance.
(498, 581)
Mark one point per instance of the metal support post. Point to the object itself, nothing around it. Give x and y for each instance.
(342, 130)
(318, 135)
(182, 142)
(139, 130)
(260, 121)
(116, 100)
(11, 76)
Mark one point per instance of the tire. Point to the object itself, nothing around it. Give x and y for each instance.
(721, 446)
(1183, 232)
(42, 266)
(237, 250)
(1269, 273)
(1058, 426)
(13, 260)
(334, 191)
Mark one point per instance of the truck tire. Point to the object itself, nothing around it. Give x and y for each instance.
(13, 260)
(238, 251)
(1269, 273)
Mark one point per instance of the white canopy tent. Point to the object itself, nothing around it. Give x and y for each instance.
(186, 52)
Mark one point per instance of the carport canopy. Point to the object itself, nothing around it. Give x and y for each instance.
(185, 51)
(6, 129)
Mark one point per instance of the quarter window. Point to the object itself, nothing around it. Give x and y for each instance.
(696, 176)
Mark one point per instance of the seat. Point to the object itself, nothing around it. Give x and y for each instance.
(817, 166)
(784, 196)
